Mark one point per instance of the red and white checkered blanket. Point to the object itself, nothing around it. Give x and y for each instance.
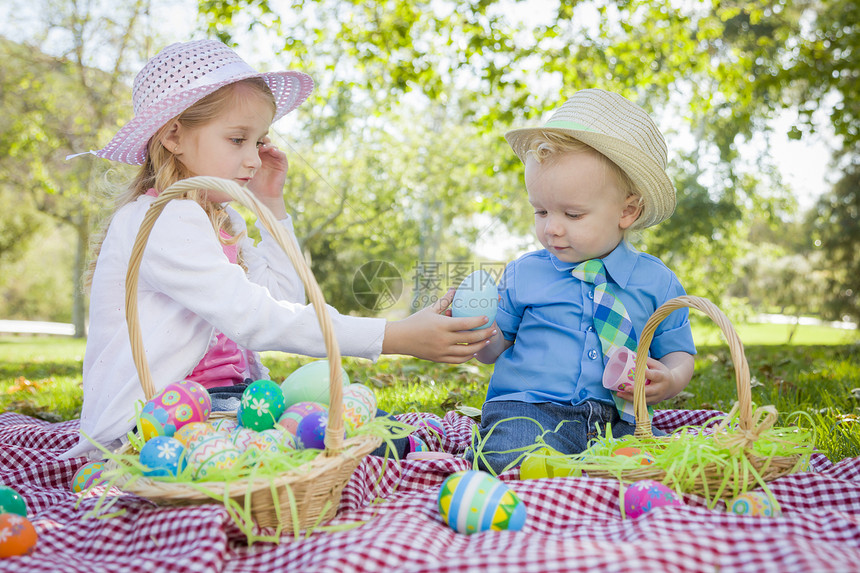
(573, 524)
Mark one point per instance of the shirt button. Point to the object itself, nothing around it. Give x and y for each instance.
(591, 295)
(583, 393)
(592, 354)
(590, 329)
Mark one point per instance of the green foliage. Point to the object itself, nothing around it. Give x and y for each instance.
(836, 225)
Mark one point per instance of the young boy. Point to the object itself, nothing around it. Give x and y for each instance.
(595, 171)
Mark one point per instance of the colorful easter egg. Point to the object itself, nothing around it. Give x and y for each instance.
(472, 501)
(190, 433)
(755, 504)
(211, 455)
(242, 437)
(310, 433)
(477, 295)
(359, 405)
(643, 496)
(87, 475)
(416, 444)
(262, 443)
(310, 383)
(12, 502)
(645, 458)
(17, 535)
(262, 405)
(294, 414)
(433, 426)
(163, 456)
(178, 404)
(284, 439)
(226, 425)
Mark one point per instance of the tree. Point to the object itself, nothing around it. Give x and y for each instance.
(71, 105)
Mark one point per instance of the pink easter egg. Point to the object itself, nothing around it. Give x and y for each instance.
(291, 417)
(643, 496)
(178, 404)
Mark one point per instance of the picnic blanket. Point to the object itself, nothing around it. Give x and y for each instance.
(573, 524)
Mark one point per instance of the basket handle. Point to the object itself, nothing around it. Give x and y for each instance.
(742, 370)
(334, 428)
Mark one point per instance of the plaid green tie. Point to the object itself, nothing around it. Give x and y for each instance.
(611, 322)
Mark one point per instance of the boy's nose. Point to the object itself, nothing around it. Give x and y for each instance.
(553, 226)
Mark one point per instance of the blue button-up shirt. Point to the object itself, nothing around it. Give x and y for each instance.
(556, 355)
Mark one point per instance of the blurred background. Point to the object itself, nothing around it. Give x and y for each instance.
(400, 181)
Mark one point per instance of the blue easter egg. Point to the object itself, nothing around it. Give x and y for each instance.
(477, 295)
(163, 456)
(310, 433)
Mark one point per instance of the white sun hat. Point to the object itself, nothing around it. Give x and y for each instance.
(623, 132)
(182, 74)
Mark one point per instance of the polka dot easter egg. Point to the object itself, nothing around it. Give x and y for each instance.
(477, 295)
(754, 504)
(262, 405)
(163, 456)
(310, 383)
(643, 496)
(289, 421)
(178, 404)
(86, 476)
(17, 535)
(472, 501)
(212, 454)
(12, 502)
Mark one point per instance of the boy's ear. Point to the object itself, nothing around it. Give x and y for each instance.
(632, 210)
(170, 138)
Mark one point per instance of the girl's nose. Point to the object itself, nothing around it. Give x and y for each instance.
(252, 159)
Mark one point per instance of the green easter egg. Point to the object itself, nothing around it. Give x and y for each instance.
(310, 383)
(262, 405)
(12, 502)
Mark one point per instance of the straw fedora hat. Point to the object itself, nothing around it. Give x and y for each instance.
(623, 132)
(182, 74)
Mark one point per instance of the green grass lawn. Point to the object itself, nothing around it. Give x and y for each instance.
(41, 376)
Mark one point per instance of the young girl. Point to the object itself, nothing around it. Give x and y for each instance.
(209, 299)
(596, 170)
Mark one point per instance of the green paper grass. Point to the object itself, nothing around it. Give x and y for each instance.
(251, 466)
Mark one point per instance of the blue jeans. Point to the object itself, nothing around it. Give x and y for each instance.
(568, 429)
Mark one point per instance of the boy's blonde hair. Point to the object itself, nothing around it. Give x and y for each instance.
(161, 169)
(550, 145)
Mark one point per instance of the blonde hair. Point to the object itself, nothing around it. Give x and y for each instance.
(552, 145)
(161, 169)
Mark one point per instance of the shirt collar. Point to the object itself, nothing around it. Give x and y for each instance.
(619, 263)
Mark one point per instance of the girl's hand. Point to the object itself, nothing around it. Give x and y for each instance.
(431, 335)
(268, 182)
(666, 377)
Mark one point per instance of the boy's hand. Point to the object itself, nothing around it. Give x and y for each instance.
(431, 335)
(666, 377)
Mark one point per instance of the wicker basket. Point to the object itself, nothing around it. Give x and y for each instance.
(737, 439)
(311, 492)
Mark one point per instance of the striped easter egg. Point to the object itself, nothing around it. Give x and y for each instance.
(472, 501)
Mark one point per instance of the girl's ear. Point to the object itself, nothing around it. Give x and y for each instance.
(170, 138)
(632, 210)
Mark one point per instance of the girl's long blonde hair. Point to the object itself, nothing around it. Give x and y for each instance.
(161, 169)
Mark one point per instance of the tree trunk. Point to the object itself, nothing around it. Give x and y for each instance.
(79, 310)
